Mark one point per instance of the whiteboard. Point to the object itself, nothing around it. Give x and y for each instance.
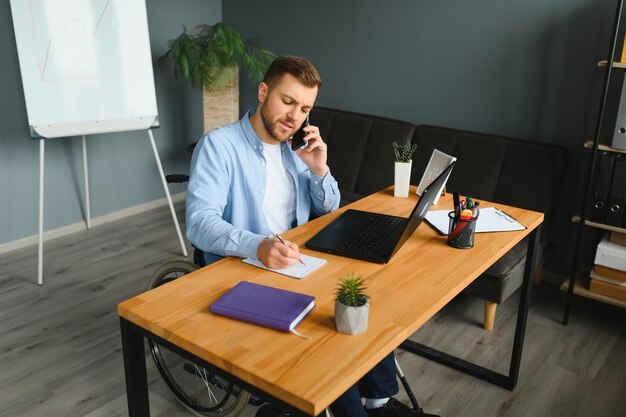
(86, 66)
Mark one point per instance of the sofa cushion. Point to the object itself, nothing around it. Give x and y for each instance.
(501, 279)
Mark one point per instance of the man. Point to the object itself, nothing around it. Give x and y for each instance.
(247, 185)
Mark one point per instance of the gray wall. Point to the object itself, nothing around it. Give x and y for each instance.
(519, 68)
(122, 169)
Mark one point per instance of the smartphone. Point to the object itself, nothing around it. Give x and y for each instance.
(297, 140)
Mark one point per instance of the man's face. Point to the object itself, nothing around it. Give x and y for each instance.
(285, 105)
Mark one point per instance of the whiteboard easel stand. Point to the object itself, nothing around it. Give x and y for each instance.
(40, 245)
(86, 176)
(167, 192)
(87, 205)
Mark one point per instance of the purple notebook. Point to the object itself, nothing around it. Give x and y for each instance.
(263, 305)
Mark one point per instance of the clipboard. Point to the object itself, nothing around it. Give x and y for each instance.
(491, 219)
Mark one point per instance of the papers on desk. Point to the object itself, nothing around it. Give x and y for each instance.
(297, 270)
(490, 219)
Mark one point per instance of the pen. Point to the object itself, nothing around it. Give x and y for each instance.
(280, 239)
(506, 216)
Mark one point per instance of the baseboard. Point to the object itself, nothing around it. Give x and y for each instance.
(95, 221)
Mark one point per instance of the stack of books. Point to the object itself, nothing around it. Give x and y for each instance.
(608, 276)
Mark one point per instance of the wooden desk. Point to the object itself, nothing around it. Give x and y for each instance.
(309, 375)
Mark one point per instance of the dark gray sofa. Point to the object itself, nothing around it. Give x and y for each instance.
(513, 172)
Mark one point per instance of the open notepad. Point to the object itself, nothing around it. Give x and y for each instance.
(491, 219)
(297, 270)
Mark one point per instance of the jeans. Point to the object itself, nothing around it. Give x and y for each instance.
(380, 382)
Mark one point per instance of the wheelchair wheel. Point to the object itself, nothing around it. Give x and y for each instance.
(200, 391)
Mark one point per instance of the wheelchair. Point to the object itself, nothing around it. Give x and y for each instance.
(200, 391)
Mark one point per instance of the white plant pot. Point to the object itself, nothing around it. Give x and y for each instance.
(402, 177)
(351, 320)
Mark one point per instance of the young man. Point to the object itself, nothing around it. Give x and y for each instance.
(247, 185)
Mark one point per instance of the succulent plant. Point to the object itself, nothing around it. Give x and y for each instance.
(350, 291)
(403, 153)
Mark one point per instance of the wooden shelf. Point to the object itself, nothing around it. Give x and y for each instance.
(589, 145)
(579, 289)
(615, 64)
(576, 219)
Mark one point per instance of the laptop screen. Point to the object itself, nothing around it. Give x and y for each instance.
(421, 208)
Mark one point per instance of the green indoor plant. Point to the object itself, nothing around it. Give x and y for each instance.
(209, 57)
(403, 153)
(351, 304)
(402, 168)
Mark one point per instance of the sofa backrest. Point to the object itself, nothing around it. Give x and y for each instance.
(359, 149)
(514, 172)
(519, 173)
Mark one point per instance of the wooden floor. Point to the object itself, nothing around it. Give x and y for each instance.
(60, 350)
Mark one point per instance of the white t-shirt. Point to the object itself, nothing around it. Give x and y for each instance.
(279, 203)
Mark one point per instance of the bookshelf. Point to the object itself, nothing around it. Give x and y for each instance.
(576, 284)
(589, 144)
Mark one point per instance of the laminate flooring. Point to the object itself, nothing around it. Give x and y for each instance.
(60, 349)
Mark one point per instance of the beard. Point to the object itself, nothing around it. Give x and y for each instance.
(273, 127)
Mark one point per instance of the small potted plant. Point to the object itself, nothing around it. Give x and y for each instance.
(402, 171)
(209, 57)
(351, 305)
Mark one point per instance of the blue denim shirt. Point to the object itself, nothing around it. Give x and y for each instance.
(226, 188)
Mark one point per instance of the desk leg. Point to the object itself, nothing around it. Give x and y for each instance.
(135, 371)
(506, 381)
(522, 312)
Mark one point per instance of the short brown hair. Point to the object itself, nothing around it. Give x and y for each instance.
(299, 67)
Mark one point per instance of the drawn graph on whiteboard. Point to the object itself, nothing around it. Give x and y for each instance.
(81, 40)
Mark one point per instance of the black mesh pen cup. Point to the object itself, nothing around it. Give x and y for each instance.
(461, 232)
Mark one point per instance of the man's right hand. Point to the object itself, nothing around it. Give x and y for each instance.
(276, 255)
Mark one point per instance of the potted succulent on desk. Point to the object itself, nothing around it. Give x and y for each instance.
(209, 57)
(351, 305)
(402, 169)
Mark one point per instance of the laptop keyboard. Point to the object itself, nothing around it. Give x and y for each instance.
(373, 231)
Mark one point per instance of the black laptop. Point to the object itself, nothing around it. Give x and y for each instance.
(375, 237)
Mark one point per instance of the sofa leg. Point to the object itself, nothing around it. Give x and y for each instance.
(537, 275)
(490, 315)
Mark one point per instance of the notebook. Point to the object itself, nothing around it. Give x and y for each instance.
(375, 237)
(297, 270)
(266, 306)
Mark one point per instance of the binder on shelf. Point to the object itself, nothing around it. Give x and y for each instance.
(602, 186)
(617, 196)
(613, 132)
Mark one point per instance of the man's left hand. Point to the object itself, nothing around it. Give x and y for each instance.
(315, 154)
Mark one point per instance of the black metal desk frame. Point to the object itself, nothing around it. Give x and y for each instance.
(505, 381)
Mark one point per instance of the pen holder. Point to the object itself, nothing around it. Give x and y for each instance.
(461, 232)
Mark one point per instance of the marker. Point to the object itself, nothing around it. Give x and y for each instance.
(457, 203)
(280, 239)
